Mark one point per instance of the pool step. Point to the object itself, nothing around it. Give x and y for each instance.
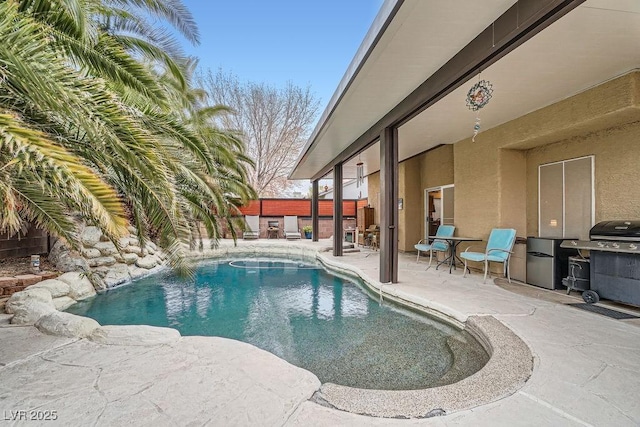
(349, 248)
(346, 248)
(5, 319)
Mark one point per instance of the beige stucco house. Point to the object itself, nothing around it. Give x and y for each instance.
(559, 142)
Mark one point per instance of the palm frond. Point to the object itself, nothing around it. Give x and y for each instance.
(174, 11)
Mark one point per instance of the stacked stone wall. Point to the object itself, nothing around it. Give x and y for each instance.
(107, 264)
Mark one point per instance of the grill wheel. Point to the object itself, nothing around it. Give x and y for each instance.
(590, 297)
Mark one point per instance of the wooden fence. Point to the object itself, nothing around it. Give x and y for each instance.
(299, 207)
(36, 241)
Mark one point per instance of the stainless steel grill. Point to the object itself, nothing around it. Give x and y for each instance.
(610, 236)
(615, 261)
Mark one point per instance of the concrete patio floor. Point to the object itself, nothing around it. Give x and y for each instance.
(586, 366)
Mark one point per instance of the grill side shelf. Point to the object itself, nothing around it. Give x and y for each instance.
(603, 246)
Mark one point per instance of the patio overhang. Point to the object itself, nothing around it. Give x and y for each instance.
(410, 72)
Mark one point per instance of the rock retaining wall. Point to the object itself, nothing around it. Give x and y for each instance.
(98, 265)
(105, 264)
(41, 305)
(47, 297)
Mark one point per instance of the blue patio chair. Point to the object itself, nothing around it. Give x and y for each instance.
(499, 249)
(439, 245)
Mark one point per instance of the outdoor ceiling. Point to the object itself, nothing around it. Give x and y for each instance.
(422, 37)
(596, 42)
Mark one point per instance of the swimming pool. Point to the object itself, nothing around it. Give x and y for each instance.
(303, 314)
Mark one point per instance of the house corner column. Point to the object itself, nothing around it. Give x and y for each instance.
(315, 222)
(389, 205)
(337, 210)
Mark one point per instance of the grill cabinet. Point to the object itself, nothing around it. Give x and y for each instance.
(579, 274)
(615, 261)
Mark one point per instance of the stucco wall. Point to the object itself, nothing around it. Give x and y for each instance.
(477, 186)
(410, 216)
(373, 183)
(490, 192)
(496, 177)
(617, 171)
(430, 169)
(436, 169)
(513, 197)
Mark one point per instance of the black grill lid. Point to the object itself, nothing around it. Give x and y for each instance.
(616, 230)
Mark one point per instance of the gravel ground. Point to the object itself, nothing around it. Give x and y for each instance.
(22, 265)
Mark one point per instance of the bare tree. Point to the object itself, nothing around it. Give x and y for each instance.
(274, 123)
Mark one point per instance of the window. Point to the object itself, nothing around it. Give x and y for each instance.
(565, 199)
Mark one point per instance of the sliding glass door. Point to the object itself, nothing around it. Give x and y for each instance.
(439, 208)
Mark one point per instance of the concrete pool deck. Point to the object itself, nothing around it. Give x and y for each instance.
(586, 366)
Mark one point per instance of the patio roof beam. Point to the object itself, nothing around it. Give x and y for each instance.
(522, 21)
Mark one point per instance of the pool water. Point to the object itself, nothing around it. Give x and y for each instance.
(302, 314)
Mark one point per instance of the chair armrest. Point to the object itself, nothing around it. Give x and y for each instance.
(469, 247)
(441, 240)
(499, 250)
(422, 241)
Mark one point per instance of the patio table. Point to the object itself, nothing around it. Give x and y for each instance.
(454, 241)
(273, 232)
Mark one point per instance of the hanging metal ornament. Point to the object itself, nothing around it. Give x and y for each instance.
(477, 97)
(359, 172)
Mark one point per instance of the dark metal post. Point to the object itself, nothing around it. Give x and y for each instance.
(315, 221)
(337, 210)
(389, 205)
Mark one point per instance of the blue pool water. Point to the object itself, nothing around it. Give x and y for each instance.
(302, 314)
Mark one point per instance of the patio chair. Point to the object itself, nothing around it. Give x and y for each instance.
(368, 235)
(499, 249)
(291, 230)
(438, 245)
(252, 227)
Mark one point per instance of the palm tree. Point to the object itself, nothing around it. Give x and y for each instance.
(225, 178)
(98, 116)
(41, 178)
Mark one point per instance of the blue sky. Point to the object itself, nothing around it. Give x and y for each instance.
(305, 42)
